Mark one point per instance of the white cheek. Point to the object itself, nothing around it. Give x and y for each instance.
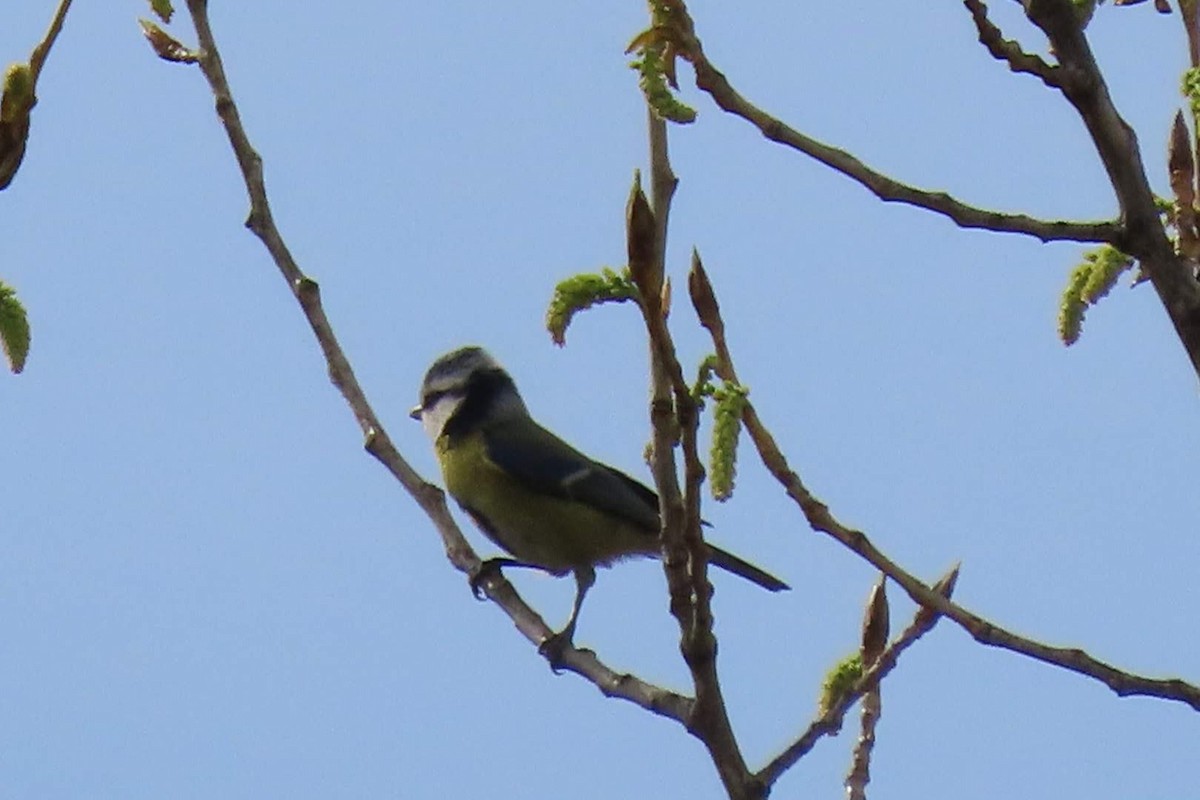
(433, 419)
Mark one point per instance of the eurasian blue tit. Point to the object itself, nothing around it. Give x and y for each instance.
(548, 505)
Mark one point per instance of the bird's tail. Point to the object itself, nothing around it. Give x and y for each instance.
(731, 563)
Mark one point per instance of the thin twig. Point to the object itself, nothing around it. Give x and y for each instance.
(1074, 659)
(430, 498)
(674, 414)
(875, 632)
(1143, 235)
(821, 519)
(37, 58)
(1007, 50)
(830, 722)
(710, 79)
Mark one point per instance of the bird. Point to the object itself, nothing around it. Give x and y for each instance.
(546, 504)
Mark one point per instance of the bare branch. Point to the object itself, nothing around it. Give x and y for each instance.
(874, 637)
(821, 519)
(430, 498)
(1143, 235)
(1074, 659)
(674, 415)
(37, 59)
(1007, 50)
(712, 81)
(830, 722)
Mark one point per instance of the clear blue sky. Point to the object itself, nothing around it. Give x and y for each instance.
(208, 590)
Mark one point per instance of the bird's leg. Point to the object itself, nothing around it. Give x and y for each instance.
(491, 567)
(552, 648)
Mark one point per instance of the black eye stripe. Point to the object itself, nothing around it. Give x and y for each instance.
(431, 398)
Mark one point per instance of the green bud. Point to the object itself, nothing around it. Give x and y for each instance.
(14, 329)
(18, 93)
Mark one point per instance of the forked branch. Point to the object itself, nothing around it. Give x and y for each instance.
(711, 80)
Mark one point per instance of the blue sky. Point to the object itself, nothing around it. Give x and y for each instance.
(208, 590)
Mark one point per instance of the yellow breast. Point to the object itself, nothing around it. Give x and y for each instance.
(552, 532)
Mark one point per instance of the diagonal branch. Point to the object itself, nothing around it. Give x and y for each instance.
(1074, 659)
(830, 722)
(712, 81)
(376, 441)
(1143, 235)
(37, 59)
(821, 519)
(1007, 50)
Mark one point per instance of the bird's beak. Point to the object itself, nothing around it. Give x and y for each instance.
(415, 413)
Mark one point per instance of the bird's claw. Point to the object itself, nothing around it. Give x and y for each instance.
(487, 569)
(553, 647)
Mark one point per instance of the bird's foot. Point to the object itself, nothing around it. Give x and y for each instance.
(552, 649)
(489, 568)
(556, 645)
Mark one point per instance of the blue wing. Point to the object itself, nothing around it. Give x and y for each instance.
(548, 465)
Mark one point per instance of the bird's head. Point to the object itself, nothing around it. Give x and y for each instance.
(464, 389)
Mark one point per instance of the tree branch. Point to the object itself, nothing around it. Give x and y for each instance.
(1143, 235)
(830, 722)
(709, 79)
(674, 416)
(821, 519)
(1007, 50)
(37, 59)
(985, 632)
(430, 498)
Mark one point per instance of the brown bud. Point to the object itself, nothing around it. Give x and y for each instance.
(704, 300)
(1179, 151)
(875, 624)
(641, 241)
(945, 587)
(166, 46)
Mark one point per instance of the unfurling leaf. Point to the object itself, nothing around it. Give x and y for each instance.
(654, 79)
(14, 329)
(162, 9)
(704, 386)
(657, 49)
(1091, 280)
(166, 46)
(580, 292)
(839, 681)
